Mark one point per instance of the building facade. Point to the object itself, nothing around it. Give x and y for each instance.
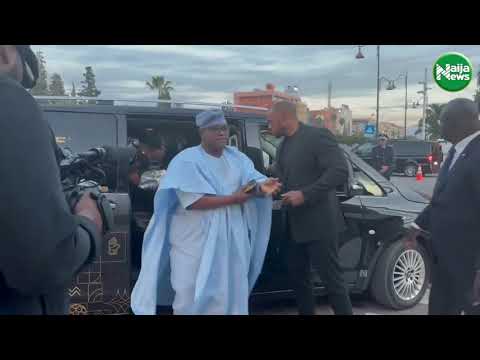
(392, 130)
(337, 120)
(267, 97)
(358, 126)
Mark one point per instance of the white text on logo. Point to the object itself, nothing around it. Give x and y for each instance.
(453, 72)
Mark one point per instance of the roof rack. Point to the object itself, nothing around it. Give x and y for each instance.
(175, 104)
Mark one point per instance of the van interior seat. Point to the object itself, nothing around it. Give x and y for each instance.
(256, 156)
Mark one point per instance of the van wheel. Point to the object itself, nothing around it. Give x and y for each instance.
(401, 276)
(410, 170)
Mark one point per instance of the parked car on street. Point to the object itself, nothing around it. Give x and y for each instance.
(377, 212)
(409, 155)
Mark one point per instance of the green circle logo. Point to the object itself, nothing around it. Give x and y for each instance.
(453, 71)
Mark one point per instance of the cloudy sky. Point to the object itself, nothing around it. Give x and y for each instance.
(213, 73)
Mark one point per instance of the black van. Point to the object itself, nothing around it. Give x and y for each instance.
(409, 154)
(376, 212)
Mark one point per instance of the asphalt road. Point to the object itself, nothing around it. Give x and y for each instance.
(426, 186)
(362, 305)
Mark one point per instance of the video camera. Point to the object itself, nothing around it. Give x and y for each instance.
(85, 172)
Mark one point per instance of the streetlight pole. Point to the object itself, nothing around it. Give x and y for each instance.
(425, 104)
(391, 86)
(406, 105)
(378, 90)
(360, 56)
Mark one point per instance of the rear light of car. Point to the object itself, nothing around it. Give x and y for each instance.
(430, 158)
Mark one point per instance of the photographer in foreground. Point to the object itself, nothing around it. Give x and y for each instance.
(42, 244)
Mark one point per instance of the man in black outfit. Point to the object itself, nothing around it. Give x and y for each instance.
(452, 217)
(150, 154)
(42, 245)
(310, 166)
(383, 157)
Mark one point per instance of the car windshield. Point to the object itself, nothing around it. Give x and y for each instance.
(362, 164)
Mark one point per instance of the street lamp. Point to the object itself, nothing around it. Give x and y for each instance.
(360, 56)
(424, 92)
(391, 86)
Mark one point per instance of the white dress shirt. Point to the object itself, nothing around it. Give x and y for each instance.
(459, 149)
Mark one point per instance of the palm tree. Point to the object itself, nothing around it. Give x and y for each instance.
(432, 127)
(163, 87)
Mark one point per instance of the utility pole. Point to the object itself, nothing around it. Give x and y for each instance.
(378, 89)
(360, 56)
(406, 104)
(425, 103)
(424, 110)
(329, 94)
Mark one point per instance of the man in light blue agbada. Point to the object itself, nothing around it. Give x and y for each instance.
(206, 242)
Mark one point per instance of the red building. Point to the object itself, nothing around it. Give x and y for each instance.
(266, 98)
(326, 118)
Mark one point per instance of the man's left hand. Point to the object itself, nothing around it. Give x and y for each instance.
(476, 289)
(293, 198)
(271, 186)
(384, 169)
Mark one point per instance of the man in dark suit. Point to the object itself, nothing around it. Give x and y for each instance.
(383, 157)
(452, 217)
(311, 165)
(42, 244)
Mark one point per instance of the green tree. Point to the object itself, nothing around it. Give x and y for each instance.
(432, 127)
(56, 87)
(41, 87)
(89, 87)
(163, 87)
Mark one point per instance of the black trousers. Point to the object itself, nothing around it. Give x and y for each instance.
(447, 297)
(323, 255)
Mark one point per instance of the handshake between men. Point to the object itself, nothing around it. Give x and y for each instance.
(269, 187)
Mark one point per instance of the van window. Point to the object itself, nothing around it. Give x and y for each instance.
(82, 131)
(365, 149)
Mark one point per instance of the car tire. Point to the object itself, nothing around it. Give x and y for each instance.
(401, 276)
(410, 170)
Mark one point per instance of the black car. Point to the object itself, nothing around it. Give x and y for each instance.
(409, 154)
(376, 212)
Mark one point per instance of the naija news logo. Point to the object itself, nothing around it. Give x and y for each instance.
(453, 71)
